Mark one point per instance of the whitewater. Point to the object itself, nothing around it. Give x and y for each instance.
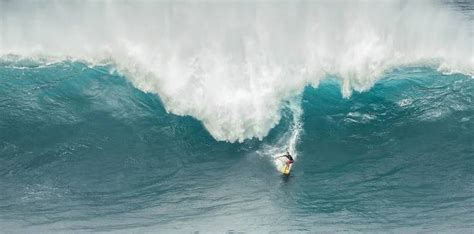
(167, 116)
(231, 65)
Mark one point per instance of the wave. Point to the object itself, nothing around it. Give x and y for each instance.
(233, 66)
(84, 150)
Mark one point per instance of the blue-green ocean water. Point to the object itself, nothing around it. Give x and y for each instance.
(81, 149)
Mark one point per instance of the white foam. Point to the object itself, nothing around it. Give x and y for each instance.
(405, 102)
(232, 65)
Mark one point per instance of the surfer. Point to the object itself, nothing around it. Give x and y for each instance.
(288, 157)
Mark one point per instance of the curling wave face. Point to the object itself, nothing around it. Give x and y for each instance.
(82, 149)
(234, 65)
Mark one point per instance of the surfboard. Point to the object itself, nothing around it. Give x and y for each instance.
(286, 169)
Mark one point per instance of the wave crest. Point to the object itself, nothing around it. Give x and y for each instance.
(232, 65)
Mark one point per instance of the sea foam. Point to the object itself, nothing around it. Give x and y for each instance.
(233, 65)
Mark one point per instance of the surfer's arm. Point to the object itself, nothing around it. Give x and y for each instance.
(280, 158)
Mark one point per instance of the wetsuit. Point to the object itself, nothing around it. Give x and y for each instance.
(290, 159)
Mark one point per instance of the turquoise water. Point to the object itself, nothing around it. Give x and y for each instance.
(81, 149)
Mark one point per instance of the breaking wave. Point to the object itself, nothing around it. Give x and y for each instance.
(234, 65)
